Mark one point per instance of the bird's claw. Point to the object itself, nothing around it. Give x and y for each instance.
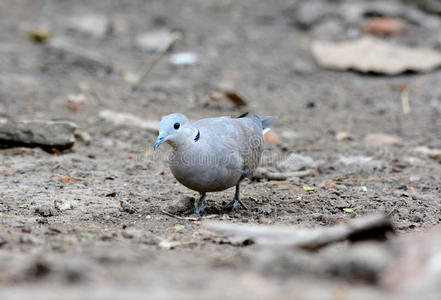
(199, 209)
(233, 203)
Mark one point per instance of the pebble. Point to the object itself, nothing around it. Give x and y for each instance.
(26, 229)
(131, 233)
(28, 239)
(46, 210)
(184, 58)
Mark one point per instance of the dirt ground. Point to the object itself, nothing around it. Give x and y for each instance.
(101, 248)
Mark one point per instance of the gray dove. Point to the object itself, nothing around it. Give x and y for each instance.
(213, 154)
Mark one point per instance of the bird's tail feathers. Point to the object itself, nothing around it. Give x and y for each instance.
(266, 121)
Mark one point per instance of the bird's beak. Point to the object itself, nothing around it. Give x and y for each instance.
(162, 137)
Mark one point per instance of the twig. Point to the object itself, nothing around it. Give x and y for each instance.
(153, 63)
(405, 100)
(365, 228)
(264, 173)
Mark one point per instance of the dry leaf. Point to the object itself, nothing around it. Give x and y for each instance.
(384, 26)
(235, 98)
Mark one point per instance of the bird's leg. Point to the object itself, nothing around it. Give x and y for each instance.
(199, 208)
(236, 200)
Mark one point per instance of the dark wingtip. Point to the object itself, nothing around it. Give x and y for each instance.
(243, 115)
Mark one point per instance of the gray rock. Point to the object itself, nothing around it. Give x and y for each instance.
(44, 134)
(156, 41)
(296, 162)
(93, 25)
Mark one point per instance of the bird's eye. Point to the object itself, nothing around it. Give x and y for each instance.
(176, 126)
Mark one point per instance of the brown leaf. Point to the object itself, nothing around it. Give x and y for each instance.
(384, 26)
(66, 179)
(236, 98)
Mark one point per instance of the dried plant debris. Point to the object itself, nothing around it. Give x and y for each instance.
(371, 55)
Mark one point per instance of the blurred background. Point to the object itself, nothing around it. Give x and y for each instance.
(355, 87)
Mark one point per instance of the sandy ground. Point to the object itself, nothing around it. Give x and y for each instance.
(100, 250)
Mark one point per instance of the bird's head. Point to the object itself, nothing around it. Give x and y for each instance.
(173, 129)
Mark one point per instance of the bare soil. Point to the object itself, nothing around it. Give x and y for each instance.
(102, 249)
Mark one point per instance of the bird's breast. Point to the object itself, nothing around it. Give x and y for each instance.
(205, 171)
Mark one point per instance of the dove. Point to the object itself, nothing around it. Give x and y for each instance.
(213, 154)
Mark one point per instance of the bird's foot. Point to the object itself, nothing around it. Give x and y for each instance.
(199, 209)
(233, 203)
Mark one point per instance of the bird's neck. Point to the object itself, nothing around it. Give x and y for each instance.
(186, 139)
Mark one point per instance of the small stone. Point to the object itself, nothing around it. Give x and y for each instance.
(184, 58)
(296, 162)
(417, 218)
(93, 25)
(26, 229)
(156, 41)
(341, 204)
(66, 205)
(131, 233)
(40, 34)
(343, 135)
(181, 205)
(46, 211)
(42, 221)
(166, 244)
(127, 207)
(28, 239)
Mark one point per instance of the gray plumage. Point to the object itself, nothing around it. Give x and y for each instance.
(213, 154)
